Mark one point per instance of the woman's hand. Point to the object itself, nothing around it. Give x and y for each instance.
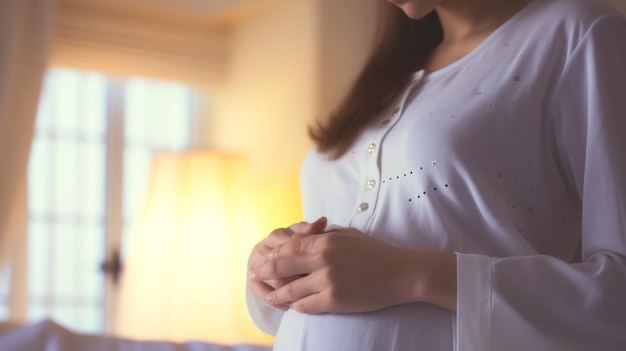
(261, 252)
(346, 271)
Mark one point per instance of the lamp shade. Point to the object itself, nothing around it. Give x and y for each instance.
(185, 272)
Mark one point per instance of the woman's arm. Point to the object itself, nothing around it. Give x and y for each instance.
(348, 271)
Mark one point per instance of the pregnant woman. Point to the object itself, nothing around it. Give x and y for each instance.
(468, 194)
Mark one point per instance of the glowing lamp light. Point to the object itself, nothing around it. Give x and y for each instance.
(185, 273)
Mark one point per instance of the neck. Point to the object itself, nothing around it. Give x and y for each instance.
(463, 19)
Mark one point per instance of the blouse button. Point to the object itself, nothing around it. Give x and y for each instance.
(395, 112)
(371, 148)
(385, 122)
(363, 207)
(371, 183)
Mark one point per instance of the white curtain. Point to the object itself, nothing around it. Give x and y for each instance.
(25, 27)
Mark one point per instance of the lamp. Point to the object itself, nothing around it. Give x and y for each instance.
(185, 272)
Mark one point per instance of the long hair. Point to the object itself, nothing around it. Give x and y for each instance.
(402, 48)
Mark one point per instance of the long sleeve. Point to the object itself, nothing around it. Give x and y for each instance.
(265, 317)
(539, 302)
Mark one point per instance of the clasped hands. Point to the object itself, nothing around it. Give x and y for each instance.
(314, 270)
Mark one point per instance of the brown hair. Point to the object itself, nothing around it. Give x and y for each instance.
(402, 48)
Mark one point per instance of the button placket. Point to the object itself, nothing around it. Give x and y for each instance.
(397, 112)
(371, 188)
(369, 192)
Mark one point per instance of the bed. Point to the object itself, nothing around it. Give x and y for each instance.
(50, 336)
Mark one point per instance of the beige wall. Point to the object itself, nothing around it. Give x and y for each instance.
(346, 31)
(289, 66)
(270, 90)
(265, 106)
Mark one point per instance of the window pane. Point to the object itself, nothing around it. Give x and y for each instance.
(136, 176)
(39, 259)
(64, 264)
(66, 176)
(170, 133)
(39, 177)
(95, 109)
(140, 107)
(158, 118)
(90, 279)
(91, 318)
(158, 114)
(92, 192)
(65, 315)
(67, 100)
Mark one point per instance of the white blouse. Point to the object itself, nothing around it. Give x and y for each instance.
(511, 157)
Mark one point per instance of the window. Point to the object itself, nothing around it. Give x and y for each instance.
(90, 160)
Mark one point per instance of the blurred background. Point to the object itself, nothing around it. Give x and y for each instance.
(167, 141)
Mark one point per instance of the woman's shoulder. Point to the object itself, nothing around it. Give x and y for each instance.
(582, 13)
(571, 20)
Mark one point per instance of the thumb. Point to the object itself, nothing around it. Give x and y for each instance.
(316, 227)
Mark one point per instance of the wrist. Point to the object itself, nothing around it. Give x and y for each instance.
(430, 276)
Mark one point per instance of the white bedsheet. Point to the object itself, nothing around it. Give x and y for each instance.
(50, 336)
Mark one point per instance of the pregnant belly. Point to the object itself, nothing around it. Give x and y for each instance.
(413, 326)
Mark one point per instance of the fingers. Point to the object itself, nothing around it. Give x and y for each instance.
(282, 235)
(297, 292)
(303, 244)
(261, 251)
(312, 304)
(296, 244)
(316, 227)
(281, 267)
(261, 289)
(277, 237)
(268, 273)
